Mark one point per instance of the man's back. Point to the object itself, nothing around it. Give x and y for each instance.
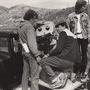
(23, 30)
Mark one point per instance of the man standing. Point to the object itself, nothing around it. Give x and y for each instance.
(31, 53)
(81, 28)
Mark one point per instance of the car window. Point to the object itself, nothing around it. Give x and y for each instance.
(3, 44)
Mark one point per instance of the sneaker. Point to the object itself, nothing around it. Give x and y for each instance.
(73, 77)
(59, 81)
(82, 78)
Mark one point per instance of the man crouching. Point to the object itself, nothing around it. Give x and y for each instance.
(62, 57)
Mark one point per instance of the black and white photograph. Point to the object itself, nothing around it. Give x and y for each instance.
(44, 44)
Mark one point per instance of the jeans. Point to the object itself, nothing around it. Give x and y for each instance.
(30, 69)
(83, 44)
(49, 64)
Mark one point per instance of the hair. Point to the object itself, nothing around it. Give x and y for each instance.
(62, 24)
(37, 25)
(79, 4)
(30, 14)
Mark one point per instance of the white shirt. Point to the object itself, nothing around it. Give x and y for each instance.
(79, 29)
(69, 33)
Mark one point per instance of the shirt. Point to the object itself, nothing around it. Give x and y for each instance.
(79, 29)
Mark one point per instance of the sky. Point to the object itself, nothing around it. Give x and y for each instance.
(51, 4)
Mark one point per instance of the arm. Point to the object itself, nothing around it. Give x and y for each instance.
(60, 44)
(88, 28)
(72, 23)
(69, 19)
(31, 38)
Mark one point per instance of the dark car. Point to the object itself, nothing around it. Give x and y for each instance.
(11, 59)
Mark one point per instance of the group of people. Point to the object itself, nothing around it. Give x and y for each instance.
(70, 51)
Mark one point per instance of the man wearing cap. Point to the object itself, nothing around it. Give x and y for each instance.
(80, 25)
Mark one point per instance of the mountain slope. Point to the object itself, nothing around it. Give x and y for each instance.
(13, 16)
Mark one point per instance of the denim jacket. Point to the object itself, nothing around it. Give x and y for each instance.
(28, 37)
(84, 22)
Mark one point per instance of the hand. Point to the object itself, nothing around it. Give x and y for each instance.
(88, 40)
(27, 54)
(45, 56)
(38, 58)
(75, 37)
(53, 42)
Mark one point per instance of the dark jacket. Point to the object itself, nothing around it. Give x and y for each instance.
(67, 48)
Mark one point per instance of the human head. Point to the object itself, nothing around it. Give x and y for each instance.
(62, 25)
(30, 14)
(80, 6)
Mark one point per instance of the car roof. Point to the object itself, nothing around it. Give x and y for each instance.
(5, 31)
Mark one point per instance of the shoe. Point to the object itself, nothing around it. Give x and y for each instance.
(73, 77)
(82, 78)
(59, 81)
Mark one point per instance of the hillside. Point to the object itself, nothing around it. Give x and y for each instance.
(60, 14)
(3, 10)
(15, 14)
(12, 16)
